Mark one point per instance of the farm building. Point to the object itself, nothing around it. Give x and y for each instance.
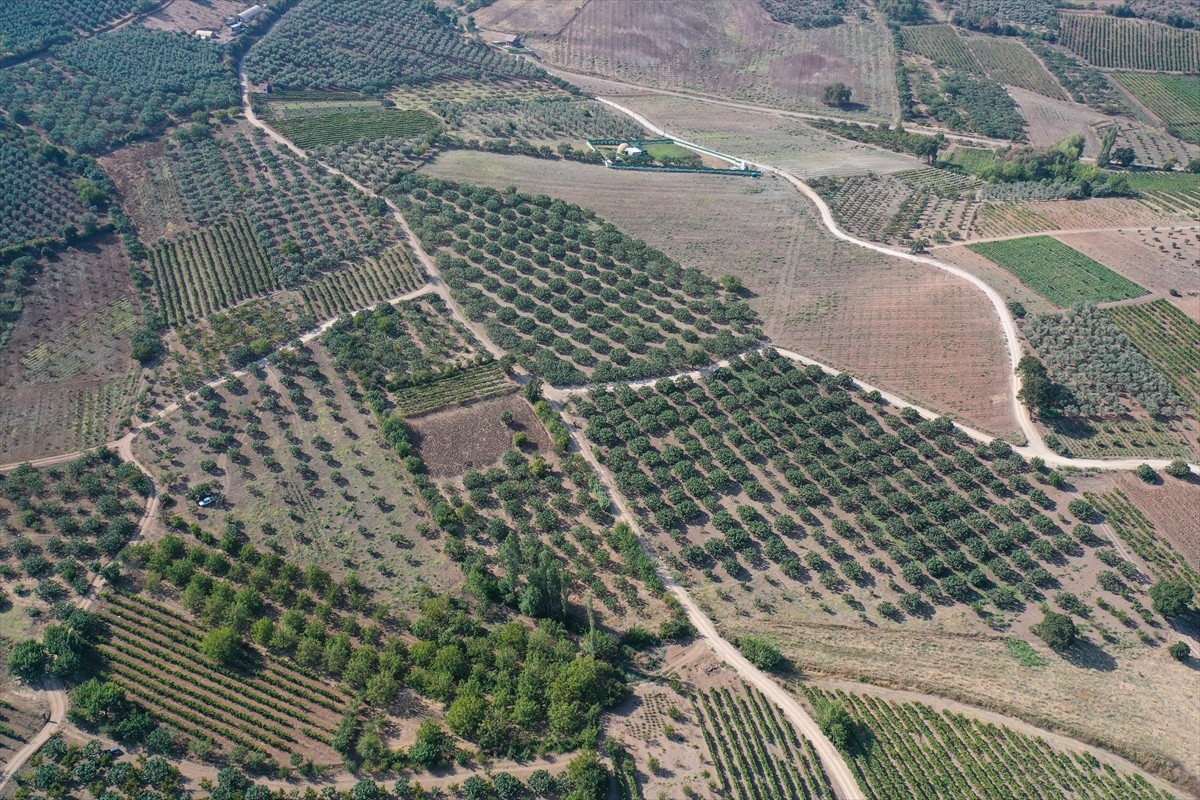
(249, 15)
(205, 35)
(627, 149)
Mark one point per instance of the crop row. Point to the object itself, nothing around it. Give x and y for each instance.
(363, 284)
(207, 271)
(1174, 98)
(1085, 83)
(941, 45)
(1009, 62)
(757, 755)
(461, 387)
(909, 751)
(1118, 43)
(1169, 338)
(184, 641)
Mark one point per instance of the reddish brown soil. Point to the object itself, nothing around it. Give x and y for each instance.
(473, 438)
(192, 15)
(1173, 507)
(150, 195)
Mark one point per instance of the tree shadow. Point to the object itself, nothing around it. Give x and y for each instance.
(1086, 655)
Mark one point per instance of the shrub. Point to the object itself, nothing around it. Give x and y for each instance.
(1171, 597)
(1146, 473)
(1056, 630)
(1178, 469)
(836, 723)
(1180, 651)
(761, 653)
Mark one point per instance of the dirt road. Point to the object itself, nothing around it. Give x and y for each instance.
(56, 699)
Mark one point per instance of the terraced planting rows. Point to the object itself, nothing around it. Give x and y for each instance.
(918, 753)
(763, 467)
(757, 754)
(1009, 62)
(941, 45)
(1169, 338)
(363, 284)
(212, 269)
(458, 388)
(156, 657)
(569, 295)
(334, 127)
(1173, 98)
(1117, 43)
(1124, 517)
(1061, 274)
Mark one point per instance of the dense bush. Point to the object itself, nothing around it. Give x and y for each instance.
(808, 13)
(28, 26)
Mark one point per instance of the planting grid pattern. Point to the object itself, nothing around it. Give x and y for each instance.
(1173, 98)
(1169, 338)
(1009, 62)
(1124, 517)
(1061, 274)
(1117, 43)
(363, 284)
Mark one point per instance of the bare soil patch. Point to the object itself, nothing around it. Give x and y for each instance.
(1162, 260)
(22, 711)
(528, 16)
(66, 376)
(1051, 121)
(190, 16)
(906, 328)
(730, 48)
(475, 437)
(148, 189)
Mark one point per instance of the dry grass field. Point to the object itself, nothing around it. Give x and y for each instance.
(150, 193)
(1052, 120)
(912, 330)
(728, 48)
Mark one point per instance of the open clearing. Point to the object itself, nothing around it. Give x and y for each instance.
(1159, 260)
(475, 437)
(912, 330)
(730, 48)
(190, 16)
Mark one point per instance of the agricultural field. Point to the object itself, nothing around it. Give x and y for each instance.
(371, 47)
(927, 203)
(329, 127)
(1165, 508)
(1115, 43)
(40, 195)
(973, 13)
(358, 286)
(1049, 121)
(67, 376)
(1085, 84)
(746, 55)
(303, 221)
(1062, 275)
(588, 314)
(1154, 146)
(141, 78)
(883, 319)
(1010, 63)
(1176, 193)
(1169, 338)
(756, 750)
(1169, 557)
(902, 745)
(1175, 99)
(150, 195)
(941, 45)
(1163, 260)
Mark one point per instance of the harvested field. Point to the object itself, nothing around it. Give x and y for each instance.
(914, 331)
(66, 376)
(531, 18)
(1161, 260)
(728, 48)
(780, 141)
(475, 437)
(1051, 121)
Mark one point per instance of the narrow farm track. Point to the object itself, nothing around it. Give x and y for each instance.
(1034, 446)
(1067, 232)
(56, 699)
